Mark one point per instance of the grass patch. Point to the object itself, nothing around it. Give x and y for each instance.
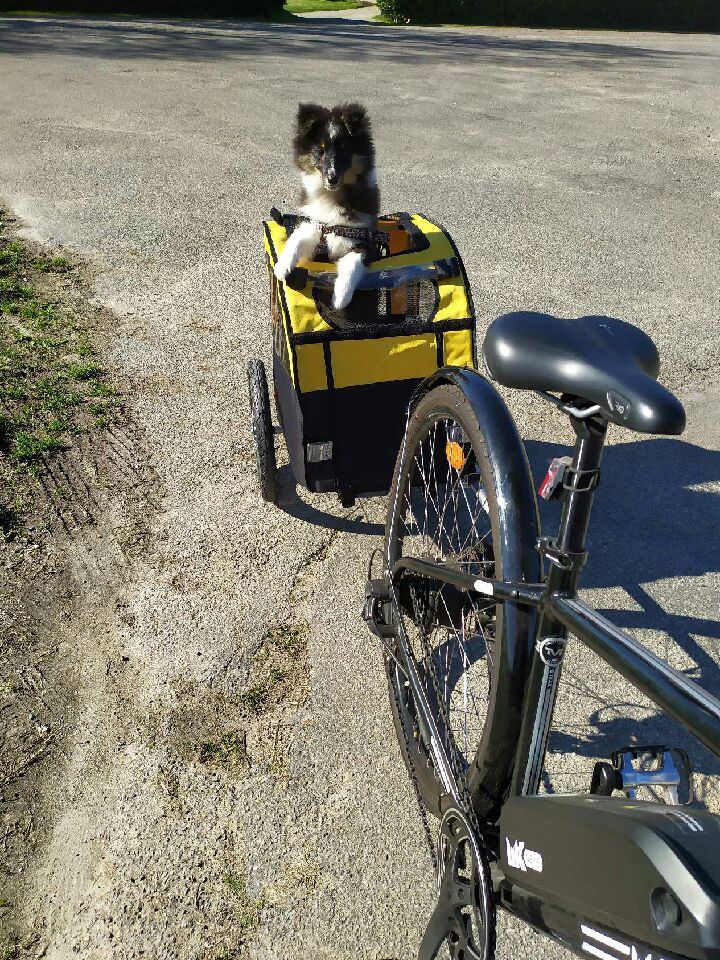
(18, 948)
(278, 669)
(327, 6)
(289, 638)
(52, 265)
(255, 700)
(231, 748)
(247, 909)
(51, 387)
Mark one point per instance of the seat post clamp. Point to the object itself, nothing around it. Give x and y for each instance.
(580, 481)
(565, 559)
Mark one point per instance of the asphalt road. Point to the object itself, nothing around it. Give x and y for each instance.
(578, 173)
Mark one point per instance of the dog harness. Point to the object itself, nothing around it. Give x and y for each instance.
(361, 234)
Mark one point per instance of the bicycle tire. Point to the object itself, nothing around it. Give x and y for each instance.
(262, 428)
(486, 765)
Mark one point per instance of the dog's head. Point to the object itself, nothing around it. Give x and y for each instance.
(333, 144)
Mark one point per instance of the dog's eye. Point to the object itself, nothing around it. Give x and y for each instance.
(321, 149)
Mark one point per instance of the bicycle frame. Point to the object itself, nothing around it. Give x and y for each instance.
(562, 612)
(600, 910)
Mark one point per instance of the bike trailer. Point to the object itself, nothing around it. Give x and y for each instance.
(343, 379)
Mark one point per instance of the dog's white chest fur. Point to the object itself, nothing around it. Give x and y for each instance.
(320, 208)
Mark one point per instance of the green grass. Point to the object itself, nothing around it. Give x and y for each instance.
(51, 386)
(255, 699)
(328, 6)
(51, 264)
(231, 748)
(289, 638)
(248, 909)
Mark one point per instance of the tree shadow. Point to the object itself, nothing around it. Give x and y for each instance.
(353, 41)
(290, 503)
(654, 520)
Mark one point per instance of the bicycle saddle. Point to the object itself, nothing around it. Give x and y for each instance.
(600, 359)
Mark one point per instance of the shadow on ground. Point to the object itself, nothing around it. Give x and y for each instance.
(655, 520)
(290, 502)
(208, 40)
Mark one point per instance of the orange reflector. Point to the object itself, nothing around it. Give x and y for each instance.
(455, 454)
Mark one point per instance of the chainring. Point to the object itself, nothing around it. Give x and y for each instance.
(465, 911)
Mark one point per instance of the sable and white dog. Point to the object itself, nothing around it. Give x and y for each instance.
(334, 151)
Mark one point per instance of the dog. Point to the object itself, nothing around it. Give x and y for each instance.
(334, 151)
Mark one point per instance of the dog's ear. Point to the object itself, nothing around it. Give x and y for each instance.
(355, 118)
(308, 115)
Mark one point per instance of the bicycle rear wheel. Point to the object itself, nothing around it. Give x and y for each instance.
(445, 506)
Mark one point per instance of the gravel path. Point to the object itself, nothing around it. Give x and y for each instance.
(577, 173)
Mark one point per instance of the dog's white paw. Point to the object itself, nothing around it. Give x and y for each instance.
(283, 268)
(342, 293)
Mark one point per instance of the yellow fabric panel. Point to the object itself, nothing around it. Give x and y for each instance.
(278, 235)
(440, 247)
(453, 302)
(304, 316)
(311, 367)
(357, 362)
(457, 348)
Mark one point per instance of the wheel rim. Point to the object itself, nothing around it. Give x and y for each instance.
(442, 513)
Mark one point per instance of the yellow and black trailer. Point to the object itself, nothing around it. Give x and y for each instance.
(343, 379)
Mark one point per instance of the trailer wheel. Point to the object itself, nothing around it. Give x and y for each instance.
(262, 429)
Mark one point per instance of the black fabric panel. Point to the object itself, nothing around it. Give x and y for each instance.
(318, 416)
(370, 422)
(291, 417)
(365, 423)
(317, 421)
(327, 357)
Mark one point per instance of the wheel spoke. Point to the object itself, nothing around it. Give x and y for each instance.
(445, 516)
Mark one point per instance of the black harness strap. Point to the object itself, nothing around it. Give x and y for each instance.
(364, 234)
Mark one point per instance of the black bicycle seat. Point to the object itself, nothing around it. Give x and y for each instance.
(600, 359)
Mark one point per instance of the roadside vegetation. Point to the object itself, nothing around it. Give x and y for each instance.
(327, 6)
(52, 388)
(700, 15)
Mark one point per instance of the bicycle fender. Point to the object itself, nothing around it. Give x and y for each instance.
(519, 531)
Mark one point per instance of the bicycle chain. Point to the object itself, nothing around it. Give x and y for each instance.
(458, 767)
(432, 849)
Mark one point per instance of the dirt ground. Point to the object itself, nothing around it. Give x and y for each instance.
(74, 546)
(71, 531)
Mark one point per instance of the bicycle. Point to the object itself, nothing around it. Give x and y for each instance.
(473, 637)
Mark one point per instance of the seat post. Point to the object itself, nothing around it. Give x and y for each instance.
(584, 475)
